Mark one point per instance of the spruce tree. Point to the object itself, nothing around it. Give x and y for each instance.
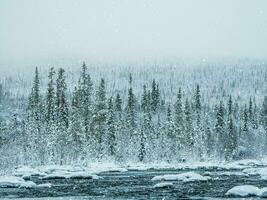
(100, 119)
(50, 98)
(62, 113)
(131, 108)
(76, 128)
(231, 139)
(188, 125)
(85, 98)
(50, 114)
(35, 117)
(111, 128)
(220, 130)
(118, 103)
(155, 96)
(179, 118)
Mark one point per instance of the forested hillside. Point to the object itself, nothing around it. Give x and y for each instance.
(142, 114)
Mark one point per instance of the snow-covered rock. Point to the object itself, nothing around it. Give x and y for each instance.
(244, 191)
(56, 172)
(45, 185)
(186, 177)
(13, 181)
(247, 190)
(56, 175)
(163, 185)
(70, 175)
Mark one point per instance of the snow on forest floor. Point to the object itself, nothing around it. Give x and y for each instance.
(244, 178)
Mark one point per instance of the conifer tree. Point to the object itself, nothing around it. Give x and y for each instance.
(131, 108)
(169, 144)
(35, 117)
(179, 118)
(100, 118)
(188, 124)
(34, 105)
(85, 90)
(62, 113)
(220, 129)
(76, 128)
(111, 128)
(118, 103)
(144, 100)
(155, 96)
(50, 98)
(50, 114)
(231, 139)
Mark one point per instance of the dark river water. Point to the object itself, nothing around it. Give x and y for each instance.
(134, 185)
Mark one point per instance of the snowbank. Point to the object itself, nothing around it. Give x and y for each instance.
(163, 185)
(247, 190)
(186, 177)
(13, 181)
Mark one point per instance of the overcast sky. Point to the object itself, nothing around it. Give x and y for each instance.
(39, 32)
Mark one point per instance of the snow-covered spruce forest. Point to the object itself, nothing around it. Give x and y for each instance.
(143, 114)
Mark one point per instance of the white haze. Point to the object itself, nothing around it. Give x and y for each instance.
(55, 32)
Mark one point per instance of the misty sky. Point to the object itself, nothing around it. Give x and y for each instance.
(34, 32)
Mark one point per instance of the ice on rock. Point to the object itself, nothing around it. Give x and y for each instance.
(13, 181)
(186, 177)
(163, 185)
